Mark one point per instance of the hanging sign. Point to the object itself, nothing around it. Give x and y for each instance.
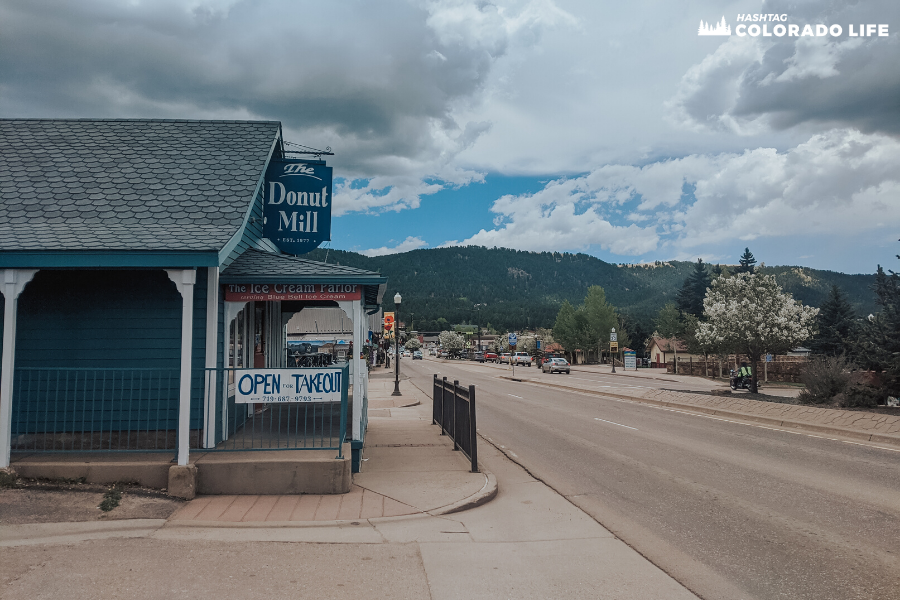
(388, 325)
(259, 386)
(297, 205)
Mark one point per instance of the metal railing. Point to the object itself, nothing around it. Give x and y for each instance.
(454, 410)
(95, 410)
(275, 425)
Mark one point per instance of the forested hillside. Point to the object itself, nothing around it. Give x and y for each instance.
(515, 290)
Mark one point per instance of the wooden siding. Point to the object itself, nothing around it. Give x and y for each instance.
(99, 319)
(108, 319)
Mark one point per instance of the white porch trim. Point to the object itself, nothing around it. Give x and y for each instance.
(355, 310)
(184, 280)
(14, 281)
(212, 338)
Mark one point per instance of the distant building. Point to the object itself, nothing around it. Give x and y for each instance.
(661, 350)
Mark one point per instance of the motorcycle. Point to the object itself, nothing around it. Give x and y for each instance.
(739, 382)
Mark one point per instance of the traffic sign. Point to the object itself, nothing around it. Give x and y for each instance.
(513, 339)
(614, 346)
(614, 337)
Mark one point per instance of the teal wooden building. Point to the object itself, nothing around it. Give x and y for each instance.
(122, 243)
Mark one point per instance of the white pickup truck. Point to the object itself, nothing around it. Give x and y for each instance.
(521, 359)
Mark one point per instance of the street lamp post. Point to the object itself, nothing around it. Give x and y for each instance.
(397, 299)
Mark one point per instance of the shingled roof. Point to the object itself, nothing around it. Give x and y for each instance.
(116, 185)
(256, 266)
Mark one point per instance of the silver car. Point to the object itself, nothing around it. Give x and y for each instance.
(558, 365)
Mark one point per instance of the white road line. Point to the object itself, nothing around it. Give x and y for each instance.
(514, 396)
(619, 424)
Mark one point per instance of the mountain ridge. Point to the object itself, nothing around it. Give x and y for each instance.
(516, 289)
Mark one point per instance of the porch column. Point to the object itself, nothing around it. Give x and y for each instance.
(361, 368)
(184, 280)
(353, 308)
(14, 281)
(212, 355)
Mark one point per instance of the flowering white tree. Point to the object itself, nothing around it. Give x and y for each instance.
(749, 314)
(413, 344)
(452, 342)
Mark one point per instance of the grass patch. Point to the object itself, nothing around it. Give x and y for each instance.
(69, 480)
(7, 478)
(111, 498)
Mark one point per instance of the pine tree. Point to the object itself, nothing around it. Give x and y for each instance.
(836, 321)
(878, 343)
(669, 325)
(748, 263)
(689, 299)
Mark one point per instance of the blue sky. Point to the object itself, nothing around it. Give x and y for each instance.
(572, 125)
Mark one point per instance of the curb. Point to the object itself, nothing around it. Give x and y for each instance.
(74, 531)
(487, 493)
(875, 437)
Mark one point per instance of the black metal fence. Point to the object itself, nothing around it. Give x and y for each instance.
(454, 411)
(95, 410)
(276, 425)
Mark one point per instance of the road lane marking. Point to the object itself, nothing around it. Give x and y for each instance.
(514, 396)
(619, 424)
(716, 418)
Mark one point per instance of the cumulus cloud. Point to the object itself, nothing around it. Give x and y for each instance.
(380, 82)
(751, 85)
(839, 183)
(410, 243)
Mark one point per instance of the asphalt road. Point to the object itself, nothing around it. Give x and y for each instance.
(729, 510)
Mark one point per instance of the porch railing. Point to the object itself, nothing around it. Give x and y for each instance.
(275, 425)
(454, 410)
(95, 410)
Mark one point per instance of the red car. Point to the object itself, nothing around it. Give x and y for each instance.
(490, 356)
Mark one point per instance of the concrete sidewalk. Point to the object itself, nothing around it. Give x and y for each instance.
(529, 542)
(408, 468)
(460, 535)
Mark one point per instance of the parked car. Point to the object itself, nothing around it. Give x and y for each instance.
(556, 365)
(549, 356)
(522, 359)
(417, 355)
(478, 356)
(505, 358)
(491, 356)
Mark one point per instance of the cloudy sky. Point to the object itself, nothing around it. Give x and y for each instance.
(610, 128)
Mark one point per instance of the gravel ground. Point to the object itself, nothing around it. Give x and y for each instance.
(63, 502)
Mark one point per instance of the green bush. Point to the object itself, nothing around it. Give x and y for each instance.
(825, 378)
(860, 396)
(833, 381)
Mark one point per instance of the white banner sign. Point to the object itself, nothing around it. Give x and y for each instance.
(288, 385)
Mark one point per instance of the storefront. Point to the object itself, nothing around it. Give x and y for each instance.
(140, 278)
